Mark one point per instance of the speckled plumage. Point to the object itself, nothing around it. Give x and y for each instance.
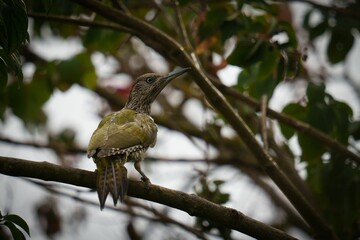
(125, 136)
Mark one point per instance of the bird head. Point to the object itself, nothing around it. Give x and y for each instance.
(147, 87)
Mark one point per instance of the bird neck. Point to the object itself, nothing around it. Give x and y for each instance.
(139, 107)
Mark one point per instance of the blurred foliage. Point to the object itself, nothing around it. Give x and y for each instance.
(342, 23)
(334, 181)
(212, 192)
(258, 36)
(15, 223)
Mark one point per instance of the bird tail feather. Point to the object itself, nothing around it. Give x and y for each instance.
(111, 178)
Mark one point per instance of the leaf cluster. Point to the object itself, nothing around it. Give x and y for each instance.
(14, 223)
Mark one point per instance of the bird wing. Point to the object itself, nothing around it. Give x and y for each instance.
(122, 130)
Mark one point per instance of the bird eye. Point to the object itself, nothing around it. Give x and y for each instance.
(150, 80)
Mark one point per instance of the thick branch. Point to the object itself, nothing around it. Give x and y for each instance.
(190, 203)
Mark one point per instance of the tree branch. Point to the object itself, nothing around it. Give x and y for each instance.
(294, 123)
(171, 49)
(190, 203)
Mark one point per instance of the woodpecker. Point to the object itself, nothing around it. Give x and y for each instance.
(125, 136)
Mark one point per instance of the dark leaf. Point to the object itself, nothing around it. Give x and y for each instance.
(13, 63)
(296, 111)
(315, 93)
(214, 19)
(229, 29)
(312, 150)
(247, 52)
(318, 30)
(15, 232)
(354, 129)
(321, 116)
(268, 63)
(18, 221)
(78, 69)
(104, 40)
(13, 25)
(290, 32)
(342, 118)
(341, 41)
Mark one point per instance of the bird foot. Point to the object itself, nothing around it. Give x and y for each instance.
(146, 180)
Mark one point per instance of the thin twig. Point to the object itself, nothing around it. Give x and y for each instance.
(120, 5)
(79, 22)
(263, 122)
(181, 26)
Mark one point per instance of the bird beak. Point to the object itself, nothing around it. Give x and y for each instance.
(176, 73)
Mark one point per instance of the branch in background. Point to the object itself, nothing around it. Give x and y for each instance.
(175, 52)
(279, 201)
(264, 134)
(78, 21)
(283, 118)
(218, 160)
(163, 219)
(181, 26)
(67, 150)
(292, 122)
(296, 124)
(190, 203)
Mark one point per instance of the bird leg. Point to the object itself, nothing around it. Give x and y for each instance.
(144, 178)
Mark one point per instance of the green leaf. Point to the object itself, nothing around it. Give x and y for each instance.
(229, 29)
(104, 40)
(215, 17)
(39, 90)
(24, 102)
(13, 62)
(246, 52)
(15, 232)
(290, 33)
(296, 111)
(321, 116)
(342, 118)
(312, 150)
(78, 69)
(18, 221)
(318, 30)
(247, 76)
(268, 63)
(341, 41)
(315, 93)
(354, 129)
(306, 19)
(261, 78)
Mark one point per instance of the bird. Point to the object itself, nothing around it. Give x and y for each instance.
(125, 136)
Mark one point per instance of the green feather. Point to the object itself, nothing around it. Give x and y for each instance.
(123, 129)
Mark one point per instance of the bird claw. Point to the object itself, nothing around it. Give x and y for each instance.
(146, 180)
